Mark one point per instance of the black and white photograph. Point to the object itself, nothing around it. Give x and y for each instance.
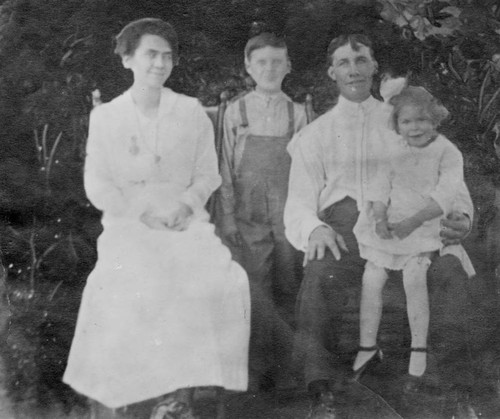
(250, 209)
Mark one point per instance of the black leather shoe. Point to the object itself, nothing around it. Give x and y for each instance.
(370, 363)
(323, 407)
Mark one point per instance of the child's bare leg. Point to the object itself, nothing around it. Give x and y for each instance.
(417, 304)
(374, 279)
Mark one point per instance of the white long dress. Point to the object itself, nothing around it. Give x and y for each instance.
(162, 309)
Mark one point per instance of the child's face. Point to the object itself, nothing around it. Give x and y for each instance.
(415, 126)
(268, 67)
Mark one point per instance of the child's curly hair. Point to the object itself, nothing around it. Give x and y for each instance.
(421, 98)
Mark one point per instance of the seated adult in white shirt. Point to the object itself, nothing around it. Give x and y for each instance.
(332, 159)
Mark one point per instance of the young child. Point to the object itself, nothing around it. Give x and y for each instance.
(399, 227)
(254, 168)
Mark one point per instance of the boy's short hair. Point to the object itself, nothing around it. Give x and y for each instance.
(420, 97)
(354, 39)
(265, 39)
(128, 39)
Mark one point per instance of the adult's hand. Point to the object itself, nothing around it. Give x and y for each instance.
(153, 222)
(454, 228)
(321, 239)
(178, 219)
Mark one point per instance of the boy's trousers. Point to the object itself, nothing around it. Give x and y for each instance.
(273, 265)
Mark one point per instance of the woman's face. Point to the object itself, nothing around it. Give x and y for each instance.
(151, 62)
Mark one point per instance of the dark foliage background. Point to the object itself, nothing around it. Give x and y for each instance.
(54, 53)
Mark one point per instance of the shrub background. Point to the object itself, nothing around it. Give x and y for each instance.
(54, 53)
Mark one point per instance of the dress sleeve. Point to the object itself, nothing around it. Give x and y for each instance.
(101, 189)
(307, 178)
(451, 180)
(205, 177)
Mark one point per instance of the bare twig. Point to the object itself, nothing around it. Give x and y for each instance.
(490, 102)
(481, 92)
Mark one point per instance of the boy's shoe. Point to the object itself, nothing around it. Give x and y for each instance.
(323, 407)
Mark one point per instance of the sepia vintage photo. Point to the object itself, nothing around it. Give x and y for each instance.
(250, 209)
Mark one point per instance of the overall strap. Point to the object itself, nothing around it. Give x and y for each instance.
(291, 119)
(243, 112)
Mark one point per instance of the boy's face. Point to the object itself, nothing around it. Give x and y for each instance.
(268, 67)
(353, 71)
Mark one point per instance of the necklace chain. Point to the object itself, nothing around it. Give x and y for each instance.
(135, 149)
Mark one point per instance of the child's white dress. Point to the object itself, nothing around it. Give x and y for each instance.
(413, 174)
(162, 309)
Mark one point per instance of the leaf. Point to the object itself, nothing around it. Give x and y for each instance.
(451, 10)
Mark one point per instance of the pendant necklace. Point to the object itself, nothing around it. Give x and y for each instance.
(144, 127)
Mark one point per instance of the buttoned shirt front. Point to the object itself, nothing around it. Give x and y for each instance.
(334, 157)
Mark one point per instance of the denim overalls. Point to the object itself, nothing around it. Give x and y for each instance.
(273, 265)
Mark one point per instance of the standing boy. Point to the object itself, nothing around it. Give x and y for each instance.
(255, 168)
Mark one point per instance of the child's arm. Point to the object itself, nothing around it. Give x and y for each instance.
(378, 194)
(407, 226)
(457, 204)
(380, 216)
(442, 198)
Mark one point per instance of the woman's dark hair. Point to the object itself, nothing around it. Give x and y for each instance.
(421, 98)
(128, 39)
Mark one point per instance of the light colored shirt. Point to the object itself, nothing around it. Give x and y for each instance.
(335, 157)
(267, 116)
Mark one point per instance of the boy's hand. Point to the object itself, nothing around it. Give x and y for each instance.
(382, 230)
(404, 228)
(231, 234)
(234, 238)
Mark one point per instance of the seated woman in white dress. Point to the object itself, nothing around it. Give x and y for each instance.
(165, 308)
